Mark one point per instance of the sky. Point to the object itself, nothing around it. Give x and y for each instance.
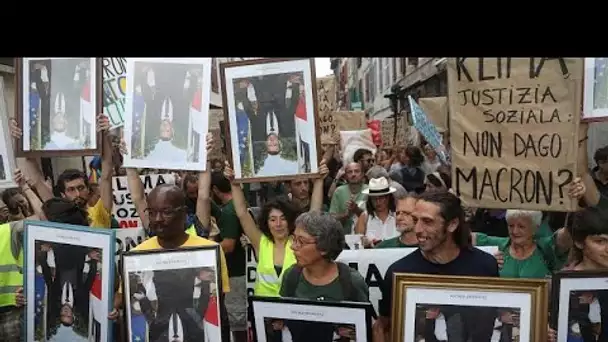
(322, 66)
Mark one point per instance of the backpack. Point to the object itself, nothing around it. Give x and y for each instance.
(293, 278)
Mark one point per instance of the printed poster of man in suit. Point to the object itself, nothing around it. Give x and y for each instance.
(65, 275)
(274, 127)
(174, 305)
(61, 103)
(167, 106)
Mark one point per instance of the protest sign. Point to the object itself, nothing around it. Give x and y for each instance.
(331, 123)
(326, 94)
(114, 89)
(390, 137)
(124, 210)
(371, 264)
(436, 108)
(514, 130)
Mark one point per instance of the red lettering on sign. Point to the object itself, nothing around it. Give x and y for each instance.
(129, 224)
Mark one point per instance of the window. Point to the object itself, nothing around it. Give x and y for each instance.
(214, 76)
(380, 79)
(412, 61)
(394, 70)
(359, 61)
(403, 62)
(386, 73)
(367, 86)
(372, 81)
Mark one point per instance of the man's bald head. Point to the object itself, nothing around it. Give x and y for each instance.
(354, 173)
(169, 193)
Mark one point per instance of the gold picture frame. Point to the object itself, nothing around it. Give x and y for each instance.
(455, 288)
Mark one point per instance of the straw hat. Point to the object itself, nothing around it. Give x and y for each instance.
(379, 187)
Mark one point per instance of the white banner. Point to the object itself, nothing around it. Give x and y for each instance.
(124, 209)
(371, 264)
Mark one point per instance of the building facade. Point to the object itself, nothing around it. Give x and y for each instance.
(364, 81)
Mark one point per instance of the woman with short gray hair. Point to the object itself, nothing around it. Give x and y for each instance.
(523, 254)
(317, 241)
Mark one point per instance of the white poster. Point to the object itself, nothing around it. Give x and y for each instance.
(371, 264)
(124, 210)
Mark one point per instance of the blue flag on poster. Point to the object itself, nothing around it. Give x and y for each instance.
(427, 129)
(39, 289)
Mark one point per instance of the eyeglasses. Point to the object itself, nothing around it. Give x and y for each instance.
(298, 241)
(165, 213)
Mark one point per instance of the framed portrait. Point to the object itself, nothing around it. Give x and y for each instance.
(445, 308)
(57, 102)
(7, 157)
(579, 302)
(173, 295)
(299, 320)
(271, 118)
(595, 89)
(167, 113)
(69, 282)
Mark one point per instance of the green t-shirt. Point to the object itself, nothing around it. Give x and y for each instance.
(331, 291)
(393, 243)
(541, 263)
(338, 204)
(230, 228)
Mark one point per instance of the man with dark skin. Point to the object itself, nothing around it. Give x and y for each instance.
(167, 218)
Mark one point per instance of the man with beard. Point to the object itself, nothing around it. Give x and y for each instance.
(346, 201)
(444, 248)
(405, 224)
(167, 217)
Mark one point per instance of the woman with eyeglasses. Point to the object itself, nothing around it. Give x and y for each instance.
(318, 240)
(272, 237)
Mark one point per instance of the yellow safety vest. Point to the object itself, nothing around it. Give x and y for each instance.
(191, 230)
(267, 283)
(11, 273)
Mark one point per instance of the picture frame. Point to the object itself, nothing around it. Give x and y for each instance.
(49, 91)
(56, 306)
(7, 156)
(173, 307)
(421, 299)
(254, 92)
(323, 317)
(595, 89)
(574, 294)
(158, 90)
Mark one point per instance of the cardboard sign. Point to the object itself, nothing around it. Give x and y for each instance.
(124, 210)
(331, 123)
(436, 108)
(514, 130)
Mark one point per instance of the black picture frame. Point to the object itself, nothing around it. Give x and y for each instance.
(366, 308)
(173, 251)
(588, 278)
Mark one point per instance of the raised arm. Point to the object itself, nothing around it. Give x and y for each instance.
(30, 167)
(107, 166)
(240, 207)
(203, 201)
(29, 195)
(316, 200)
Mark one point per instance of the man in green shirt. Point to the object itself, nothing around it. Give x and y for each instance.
(405, 225)
(230, 234)
(347, 200)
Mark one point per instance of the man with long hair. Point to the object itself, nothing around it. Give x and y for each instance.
(444, 247)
